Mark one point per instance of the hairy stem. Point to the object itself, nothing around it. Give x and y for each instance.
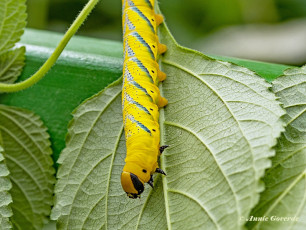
(52, 59)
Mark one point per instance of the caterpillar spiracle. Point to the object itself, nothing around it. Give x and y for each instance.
(141, 97)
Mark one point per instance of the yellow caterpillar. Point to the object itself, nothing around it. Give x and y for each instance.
(141, 97)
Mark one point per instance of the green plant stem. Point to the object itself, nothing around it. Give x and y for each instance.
(52, 59)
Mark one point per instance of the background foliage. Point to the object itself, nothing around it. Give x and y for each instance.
(192, 24)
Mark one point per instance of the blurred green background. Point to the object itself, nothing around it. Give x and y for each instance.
(266, 30)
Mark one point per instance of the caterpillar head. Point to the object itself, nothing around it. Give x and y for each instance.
(131, 184)
(135, 174)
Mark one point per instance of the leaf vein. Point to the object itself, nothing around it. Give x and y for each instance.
(198, 202)
(208, 148)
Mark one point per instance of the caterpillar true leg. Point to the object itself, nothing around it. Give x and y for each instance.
(162, 148)
(150, 182)
(158, 170)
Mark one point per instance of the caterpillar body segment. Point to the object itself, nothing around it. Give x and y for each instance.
(141, 98)
(131, 3)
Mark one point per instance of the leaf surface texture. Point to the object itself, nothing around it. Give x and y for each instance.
(27, 155)
(12, 22)
(5, 196)
(285, 194)
(11, 64)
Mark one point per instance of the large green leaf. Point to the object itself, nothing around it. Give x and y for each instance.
(27, 154)
(221, 123)
(12, 22)
(5, 197)
(285, 194)
(11, 64)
